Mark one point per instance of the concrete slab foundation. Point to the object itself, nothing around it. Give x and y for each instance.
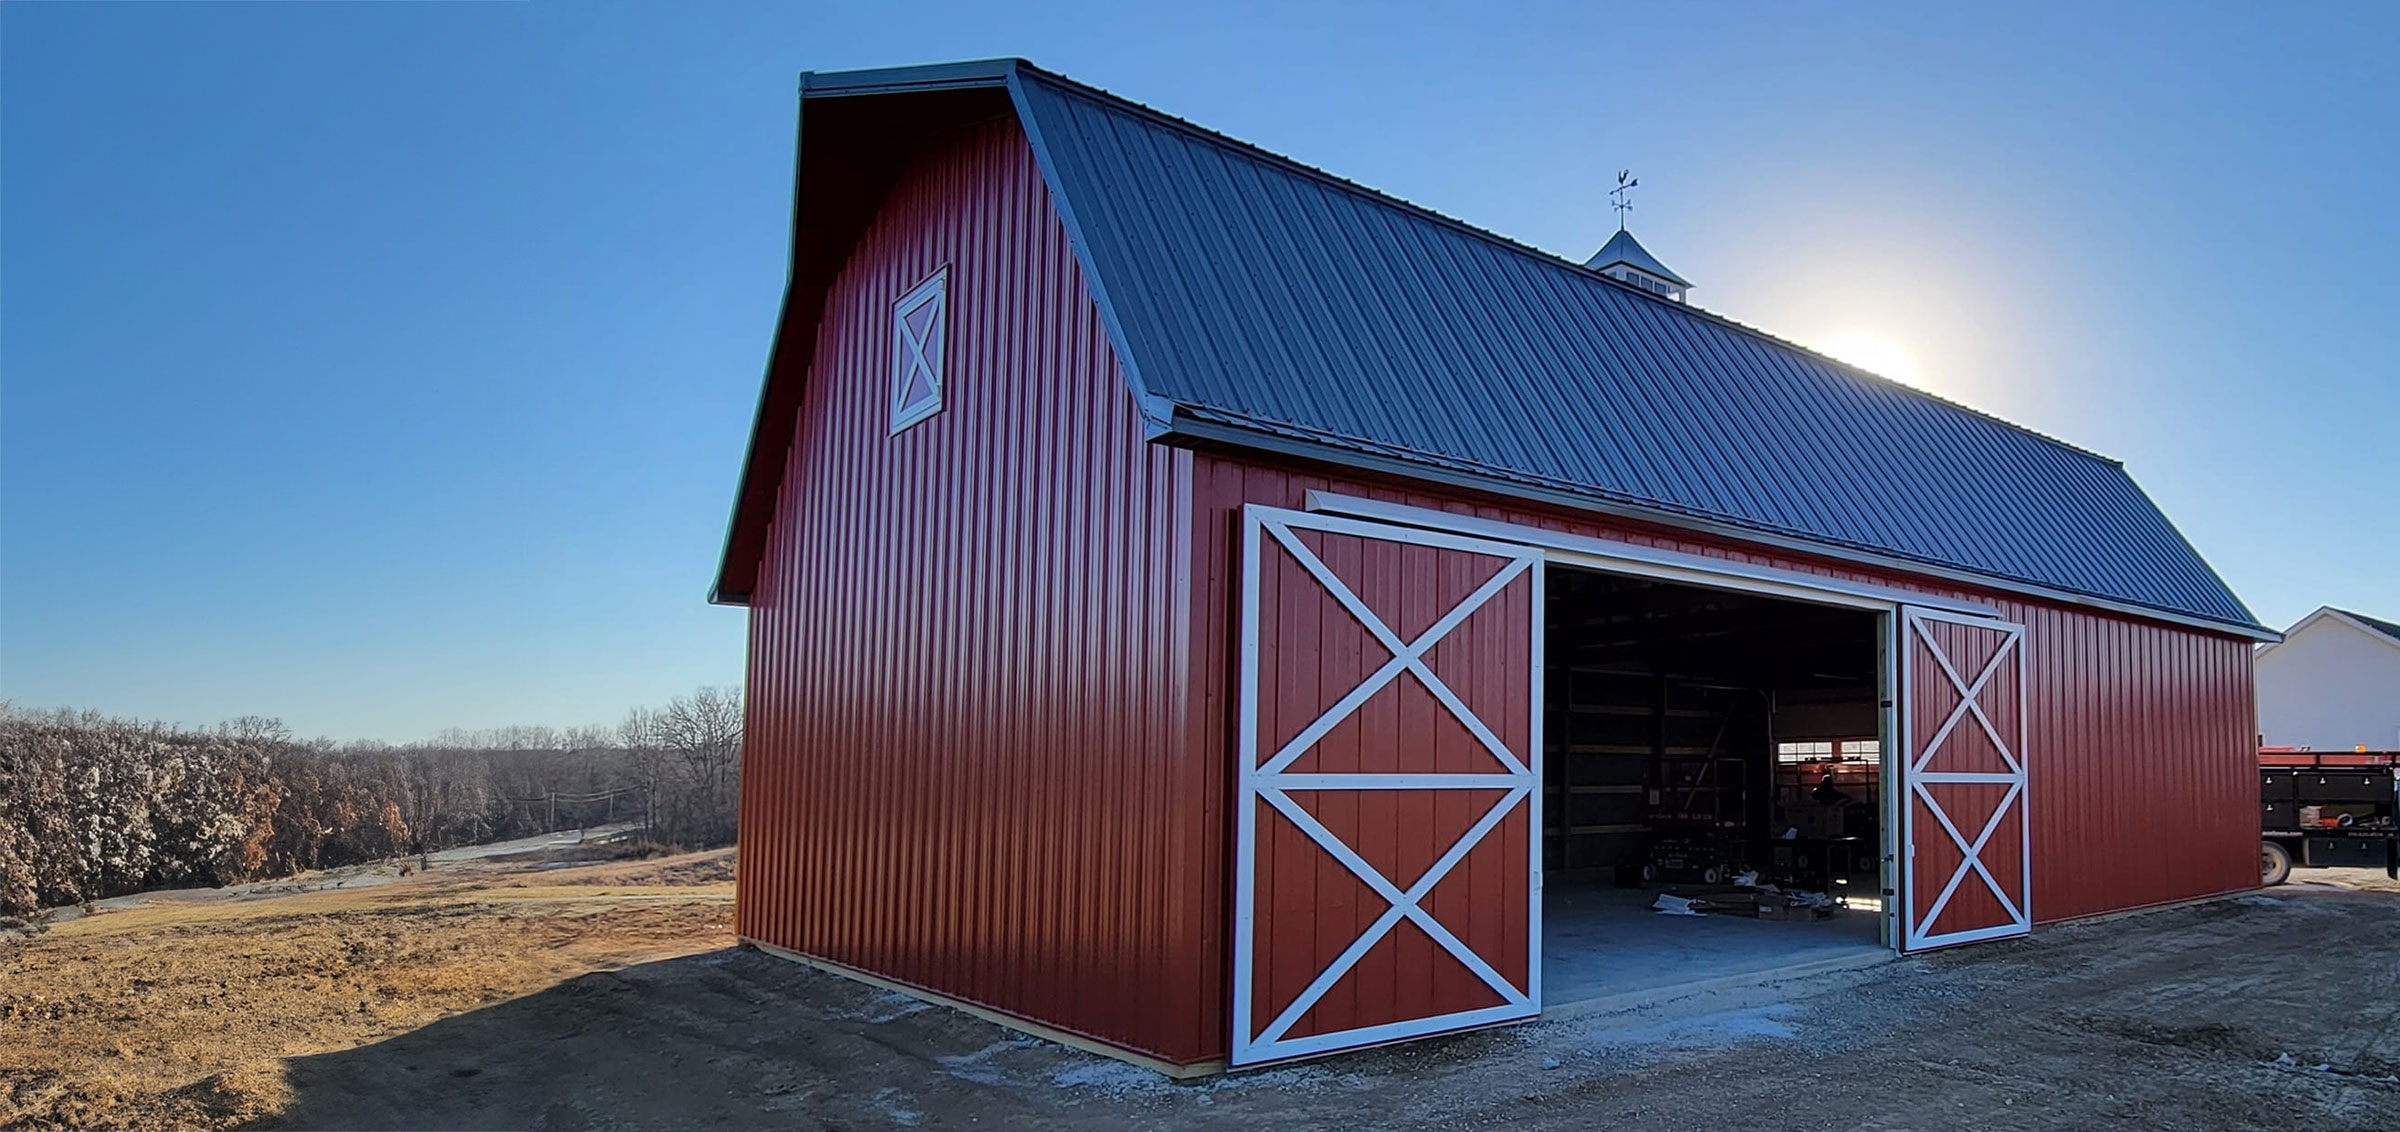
(1606, 943)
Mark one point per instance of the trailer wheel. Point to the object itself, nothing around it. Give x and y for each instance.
(2274, 864)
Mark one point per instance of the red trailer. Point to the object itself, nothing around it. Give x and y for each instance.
(1208, 611)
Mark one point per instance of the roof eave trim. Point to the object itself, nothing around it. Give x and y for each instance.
(887, 80)
(1187, 427)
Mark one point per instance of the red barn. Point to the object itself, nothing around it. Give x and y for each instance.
(1210, 611)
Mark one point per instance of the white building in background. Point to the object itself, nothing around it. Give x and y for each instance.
(2333, 684)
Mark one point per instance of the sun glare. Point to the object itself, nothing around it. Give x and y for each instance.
(1873, 353)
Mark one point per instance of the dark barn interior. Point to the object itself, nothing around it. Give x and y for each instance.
(1695, 738)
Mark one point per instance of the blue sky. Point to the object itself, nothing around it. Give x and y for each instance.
(385, 367)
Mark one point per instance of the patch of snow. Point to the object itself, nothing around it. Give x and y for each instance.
(1110, 1076)
(1298, 1078)
(1757, 1023)
(978, 1067)
(885, 1006)
(888, 1100)
(1120, 1080)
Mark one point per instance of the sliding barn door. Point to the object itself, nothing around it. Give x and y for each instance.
(1387, 881)
(1968, 859)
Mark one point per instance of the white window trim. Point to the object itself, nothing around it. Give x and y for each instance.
(935, 289)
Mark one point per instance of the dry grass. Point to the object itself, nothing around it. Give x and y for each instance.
(681, 872)
(177, 1013)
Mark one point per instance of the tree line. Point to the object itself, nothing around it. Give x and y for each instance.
(94, 806)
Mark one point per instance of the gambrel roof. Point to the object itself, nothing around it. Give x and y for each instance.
(1257, 301)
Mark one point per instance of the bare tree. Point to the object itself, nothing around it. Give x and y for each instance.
(92, 806)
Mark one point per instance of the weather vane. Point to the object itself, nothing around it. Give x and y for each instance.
(1621, 197)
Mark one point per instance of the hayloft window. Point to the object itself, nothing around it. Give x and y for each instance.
(919, 324)
(1837, 751)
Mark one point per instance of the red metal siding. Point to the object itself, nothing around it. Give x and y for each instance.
(964, 770)
(2139, 736)
(2139, 795)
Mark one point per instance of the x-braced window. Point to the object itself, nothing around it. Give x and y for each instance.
(919, 320)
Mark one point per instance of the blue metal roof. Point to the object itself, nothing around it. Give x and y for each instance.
(1250, 291)
(1623, 248)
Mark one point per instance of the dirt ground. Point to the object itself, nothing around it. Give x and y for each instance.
(176, 1009)
(520, 994)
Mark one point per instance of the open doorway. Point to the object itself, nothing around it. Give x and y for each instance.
(1710, 749)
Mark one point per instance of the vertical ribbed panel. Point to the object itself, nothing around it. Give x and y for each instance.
(2140, 736)
(2145, 764)
(963, 769)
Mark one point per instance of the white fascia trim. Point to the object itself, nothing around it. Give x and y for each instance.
(1646, 561)
(2270, 646)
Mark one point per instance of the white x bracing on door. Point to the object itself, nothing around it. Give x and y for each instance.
(1268, 781)
(1969, 848)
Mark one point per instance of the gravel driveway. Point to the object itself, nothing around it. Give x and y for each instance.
(2271, 1011)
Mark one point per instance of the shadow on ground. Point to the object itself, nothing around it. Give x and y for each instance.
(2194, 1018)
(725, 1039)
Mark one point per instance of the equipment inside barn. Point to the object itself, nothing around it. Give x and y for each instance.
(1711, 750)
